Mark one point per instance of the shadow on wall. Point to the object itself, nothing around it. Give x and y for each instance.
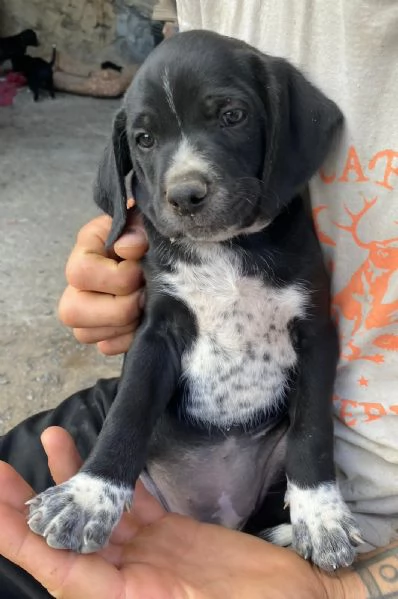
(89, 30)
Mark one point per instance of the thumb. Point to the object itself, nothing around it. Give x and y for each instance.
(133, 244)
(63, 458)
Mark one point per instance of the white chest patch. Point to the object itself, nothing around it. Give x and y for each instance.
(238, 364)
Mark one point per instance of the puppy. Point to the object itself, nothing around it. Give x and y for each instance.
(11, 47)
(38, 73)
(229, 381)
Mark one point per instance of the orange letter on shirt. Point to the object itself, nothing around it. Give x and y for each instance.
(389, 155)
(353, 164)
(345, 416)
(373, 411)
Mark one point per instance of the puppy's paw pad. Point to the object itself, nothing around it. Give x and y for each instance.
(323, 527)
(80, 514)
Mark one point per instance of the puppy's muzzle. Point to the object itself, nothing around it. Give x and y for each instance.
(188, 196)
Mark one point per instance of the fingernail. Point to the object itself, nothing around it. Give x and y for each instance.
(132, 237)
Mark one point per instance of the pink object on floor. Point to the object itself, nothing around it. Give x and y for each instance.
(9, 88)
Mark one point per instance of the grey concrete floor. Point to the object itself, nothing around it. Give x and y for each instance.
(48, 156)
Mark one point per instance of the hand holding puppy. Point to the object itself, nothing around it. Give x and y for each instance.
(103, 299)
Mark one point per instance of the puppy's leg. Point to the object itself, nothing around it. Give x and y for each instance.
(34, 88)
(50, 87)
(323, 527)
(81, 513)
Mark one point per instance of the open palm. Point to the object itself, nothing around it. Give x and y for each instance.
(152, 555)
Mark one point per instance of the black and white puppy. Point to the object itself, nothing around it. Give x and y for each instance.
(229, 380)
(15, 45)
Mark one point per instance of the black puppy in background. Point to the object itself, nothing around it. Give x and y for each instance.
(229, 381)
(108, 64)
(15, 45)
(38, 73)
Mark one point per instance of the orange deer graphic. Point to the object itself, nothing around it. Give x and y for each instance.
(362, 300)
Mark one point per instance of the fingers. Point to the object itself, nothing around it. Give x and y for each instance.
(89, 270)
(133, 244)
(64, 574)
(96, 334)
(104, 298)
(14, 491)
(116, 346)
(85, 309)
(63, 458)
(92, 267)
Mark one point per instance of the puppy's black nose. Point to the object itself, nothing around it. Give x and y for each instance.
(187, 197)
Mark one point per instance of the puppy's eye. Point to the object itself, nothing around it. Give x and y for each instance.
(145, 140)
(229, 118)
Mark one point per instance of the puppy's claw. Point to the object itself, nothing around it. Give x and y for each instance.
(357, 538)
(34, 501)
(80, 514)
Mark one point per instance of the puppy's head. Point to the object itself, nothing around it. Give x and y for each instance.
(218, 136)
(29, 38)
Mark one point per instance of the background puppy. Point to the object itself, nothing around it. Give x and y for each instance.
(108, 64)
(228, 384)
(15, 46)
(38, 73)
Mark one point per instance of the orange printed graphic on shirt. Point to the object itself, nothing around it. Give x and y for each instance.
(363, 305)
(354, 172)
(353, 165)
(365, 308)
(390, 169)
(352, 412)
(362, 300)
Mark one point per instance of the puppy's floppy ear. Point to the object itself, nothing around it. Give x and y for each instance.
(303, 124)
(109, 188)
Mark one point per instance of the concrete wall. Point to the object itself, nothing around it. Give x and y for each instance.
(91, 30)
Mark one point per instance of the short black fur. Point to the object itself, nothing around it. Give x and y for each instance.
(16, 45)
(293, 125)
(38, 73)
(220, 140)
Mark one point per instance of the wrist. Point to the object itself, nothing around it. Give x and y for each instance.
(343, 584)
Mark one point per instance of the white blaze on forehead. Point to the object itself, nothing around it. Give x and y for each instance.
(186, 160)
(169, 96)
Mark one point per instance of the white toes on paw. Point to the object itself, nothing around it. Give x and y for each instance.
(79, 514)
(323, 527)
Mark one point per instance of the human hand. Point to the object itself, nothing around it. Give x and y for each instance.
(153, 554)
(104, 296)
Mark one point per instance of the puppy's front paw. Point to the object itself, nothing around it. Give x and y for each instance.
(80, 514)
(323, 527)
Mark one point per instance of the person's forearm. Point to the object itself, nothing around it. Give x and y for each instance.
(373, 576)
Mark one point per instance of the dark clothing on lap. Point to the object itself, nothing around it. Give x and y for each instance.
(82, 415)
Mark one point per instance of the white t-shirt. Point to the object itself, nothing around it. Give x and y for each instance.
(350, 50)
